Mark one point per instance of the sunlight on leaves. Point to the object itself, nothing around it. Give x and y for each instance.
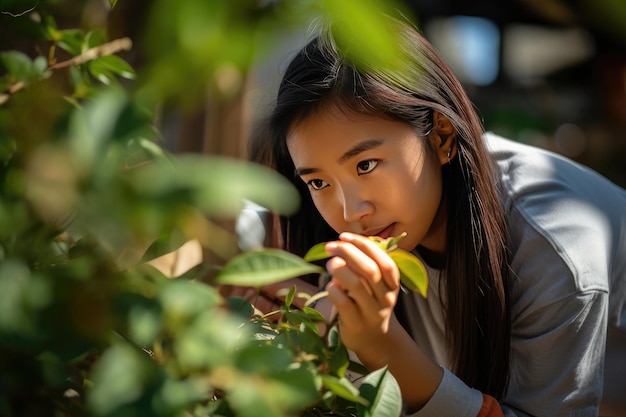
(263, 267)
(412, 271)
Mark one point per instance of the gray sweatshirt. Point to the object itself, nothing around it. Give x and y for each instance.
(567, 229)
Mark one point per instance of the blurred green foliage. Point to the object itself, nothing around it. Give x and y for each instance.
(88, 193)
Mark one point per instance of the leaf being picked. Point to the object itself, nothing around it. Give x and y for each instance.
(317, 253)
(412, 271)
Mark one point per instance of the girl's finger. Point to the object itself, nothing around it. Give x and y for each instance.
(346, 307)
(353, 285)
(357, 260)
(359, 275)
(387, 267)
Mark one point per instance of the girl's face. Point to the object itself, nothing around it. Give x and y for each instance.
(371, 176)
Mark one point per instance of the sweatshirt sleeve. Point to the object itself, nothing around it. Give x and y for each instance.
(453, 399)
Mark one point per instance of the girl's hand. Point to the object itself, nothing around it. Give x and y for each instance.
(364, 290)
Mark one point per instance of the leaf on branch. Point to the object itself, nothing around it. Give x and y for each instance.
(343, 388)
(264, 267)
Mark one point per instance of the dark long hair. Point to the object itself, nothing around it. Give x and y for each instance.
(476, 266)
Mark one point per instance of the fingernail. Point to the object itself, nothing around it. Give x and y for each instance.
(330, 246)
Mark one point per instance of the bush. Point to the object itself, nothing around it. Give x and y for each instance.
(89, 194)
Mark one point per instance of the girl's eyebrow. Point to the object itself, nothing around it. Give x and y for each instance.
(304, 171)
(355, 150)
(360, 147)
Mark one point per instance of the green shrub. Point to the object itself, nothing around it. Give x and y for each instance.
(88, 194)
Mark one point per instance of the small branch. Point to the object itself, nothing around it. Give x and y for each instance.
(110, 48)
(12, 89)
(113, 47)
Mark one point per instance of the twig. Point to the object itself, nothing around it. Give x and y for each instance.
(12, 89)
(110, 48)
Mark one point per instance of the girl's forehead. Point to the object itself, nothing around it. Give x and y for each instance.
(331, 134)
(333, 118)
(340, 127)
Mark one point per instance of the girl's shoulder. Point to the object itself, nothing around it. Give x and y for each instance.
(524, 170)
(564, 218)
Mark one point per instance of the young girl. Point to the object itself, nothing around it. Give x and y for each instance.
(525, 250)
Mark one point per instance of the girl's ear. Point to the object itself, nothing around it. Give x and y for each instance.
(443, 138)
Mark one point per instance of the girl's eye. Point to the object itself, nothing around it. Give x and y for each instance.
(365, 167)
(317, 184)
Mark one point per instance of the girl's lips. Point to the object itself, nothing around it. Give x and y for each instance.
(385, 233)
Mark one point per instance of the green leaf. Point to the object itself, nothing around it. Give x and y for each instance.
(144, 322)
(208, 340)
(263, 359)
(263, 267)
(298, 317)
(362, 35)
(338, 361)
(71, 40)
(218, 186)
(112, 3)
(175, 395)
(111, 64)
(119, 377)
(412, 272)
(389, 244)
(240, 307)
(93, 38)
(317, 253)
(290, 297)
(313, 314)
(383, 394)
(15, 62)
(22, 295)
(22, 68)
(166, 243)
(100, 72)
(91, 127)
(278, 396)
(301, 381)
(343, 388)
(182, 299)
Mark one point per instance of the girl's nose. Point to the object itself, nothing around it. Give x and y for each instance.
(355, 205)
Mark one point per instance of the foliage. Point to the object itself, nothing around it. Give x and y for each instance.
(88, 193)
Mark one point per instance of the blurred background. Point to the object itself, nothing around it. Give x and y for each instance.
(551, 73)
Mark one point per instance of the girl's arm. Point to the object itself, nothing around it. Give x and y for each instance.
(364, 291)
